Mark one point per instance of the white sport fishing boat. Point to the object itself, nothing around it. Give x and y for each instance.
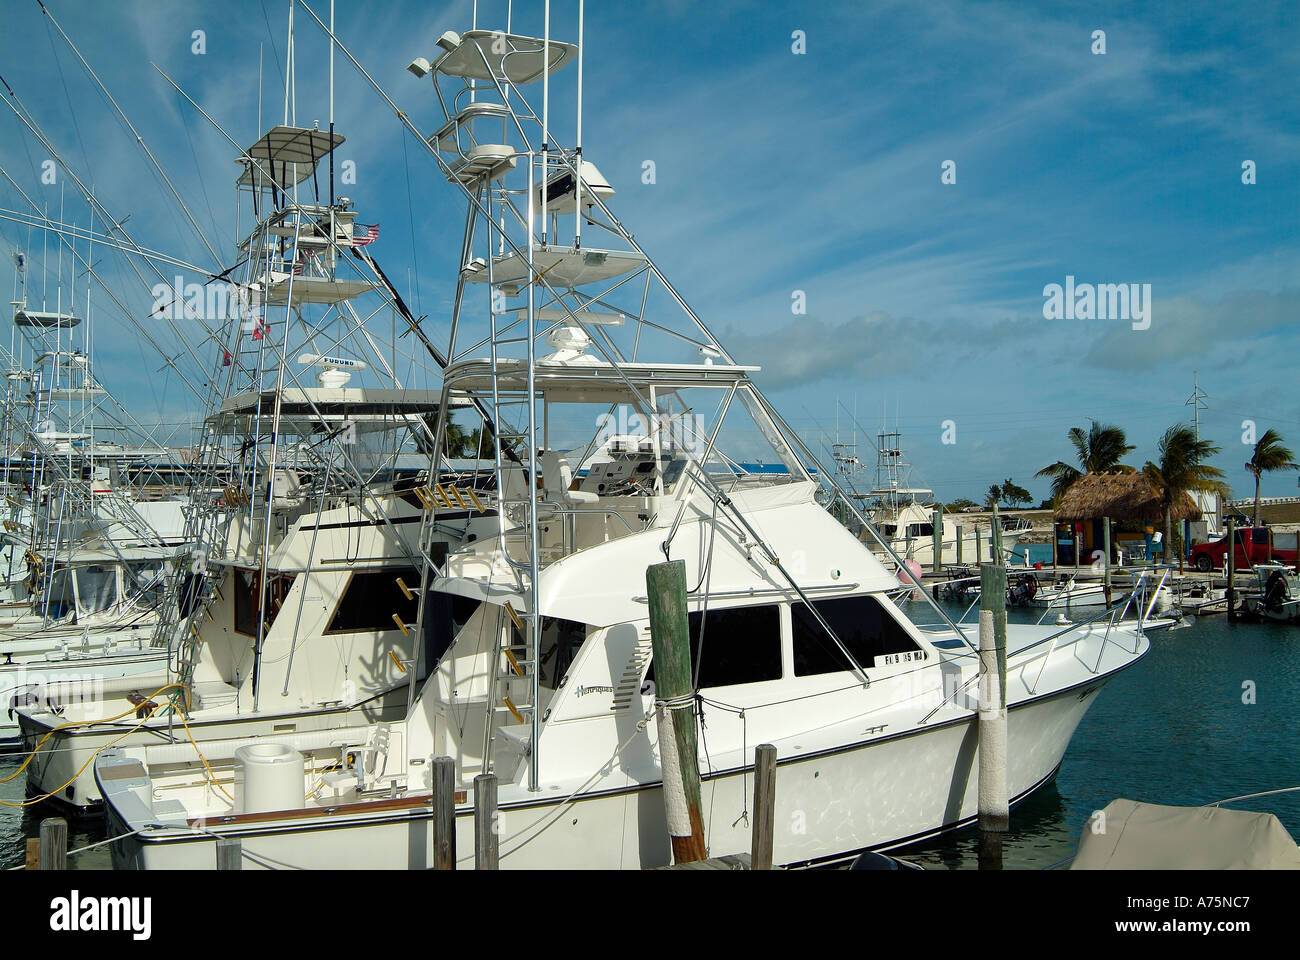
(93, 554)
(547, 682)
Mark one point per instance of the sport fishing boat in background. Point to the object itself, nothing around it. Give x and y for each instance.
(904, 515)
(622, 426)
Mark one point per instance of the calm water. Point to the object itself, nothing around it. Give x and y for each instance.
(1172, 729)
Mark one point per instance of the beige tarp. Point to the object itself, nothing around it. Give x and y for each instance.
(1148, 836)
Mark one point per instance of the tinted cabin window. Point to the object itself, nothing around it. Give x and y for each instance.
(370, 600)
(444, 616)
(741, 645)
(561, 640)
(862, 625)
(1259, 536)
(248, 594)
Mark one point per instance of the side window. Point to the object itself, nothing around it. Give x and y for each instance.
(247, 595)
(1259, 536)
(370, 600)
(740, 645)
(862, 624)
(561, 640)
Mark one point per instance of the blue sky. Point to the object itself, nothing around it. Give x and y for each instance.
(778, 172)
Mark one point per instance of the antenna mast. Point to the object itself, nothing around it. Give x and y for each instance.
(1197, 402)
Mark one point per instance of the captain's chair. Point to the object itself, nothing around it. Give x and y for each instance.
(556, 480)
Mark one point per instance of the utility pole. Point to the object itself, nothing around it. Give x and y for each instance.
(1197, 402)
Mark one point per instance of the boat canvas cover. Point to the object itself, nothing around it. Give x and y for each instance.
(1150, 836)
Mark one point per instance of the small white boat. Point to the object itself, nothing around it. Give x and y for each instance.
(1277, 596)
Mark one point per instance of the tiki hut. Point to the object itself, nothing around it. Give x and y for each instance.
(1119, 496)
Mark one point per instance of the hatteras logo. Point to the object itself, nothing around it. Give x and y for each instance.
(1102, 301)
(74, 913)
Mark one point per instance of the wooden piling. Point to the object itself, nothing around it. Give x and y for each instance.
(936, 538)
(230, 854)
(1230, 567)
(959, 536)
(675, 708)
(1105, 545)
(995, 535)
(760, 854)
(444, 813)
(486, 848)
(993, 804)
(32, 856)
(979, 552)
(54, 844)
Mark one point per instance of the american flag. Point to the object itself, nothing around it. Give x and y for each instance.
(371, 235)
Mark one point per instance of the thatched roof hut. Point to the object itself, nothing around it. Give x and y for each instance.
(1120, 496)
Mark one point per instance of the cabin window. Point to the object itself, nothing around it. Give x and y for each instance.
(863, 626)
(62, 600)
(561, 640)
(445, 614)
(370, 600)
(1259, 535)
(247, 595)
(741, 645)
(96, 588)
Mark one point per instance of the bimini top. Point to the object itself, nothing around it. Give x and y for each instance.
(309, 410)
(285, 156)
(598, 382)
(42, 318)
(477, 55)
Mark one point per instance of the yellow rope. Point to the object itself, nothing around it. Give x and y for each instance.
(83, 723)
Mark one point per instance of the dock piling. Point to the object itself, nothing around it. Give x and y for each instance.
(230, 854)
(760, 854)
(994, 808)
(1105, 545)
(444, 813)
(54, 844)
(486, 846)
(1230, 568)
(936, 538)
(675, 708)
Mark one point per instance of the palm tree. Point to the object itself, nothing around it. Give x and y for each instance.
(1269, 455)
(1182, 469)
(1097, 451)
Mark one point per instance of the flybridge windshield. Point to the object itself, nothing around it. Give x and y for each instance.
(612, 442)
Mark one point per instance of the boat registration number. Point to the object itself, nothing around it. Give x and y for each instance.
(907, 656)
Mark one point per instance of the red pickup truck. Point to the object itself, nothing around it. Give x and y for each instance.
(1252, 548)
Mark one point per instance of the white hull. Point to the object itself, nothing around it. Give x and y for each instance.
(77, 677)
(876, 794)
(55, 768)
